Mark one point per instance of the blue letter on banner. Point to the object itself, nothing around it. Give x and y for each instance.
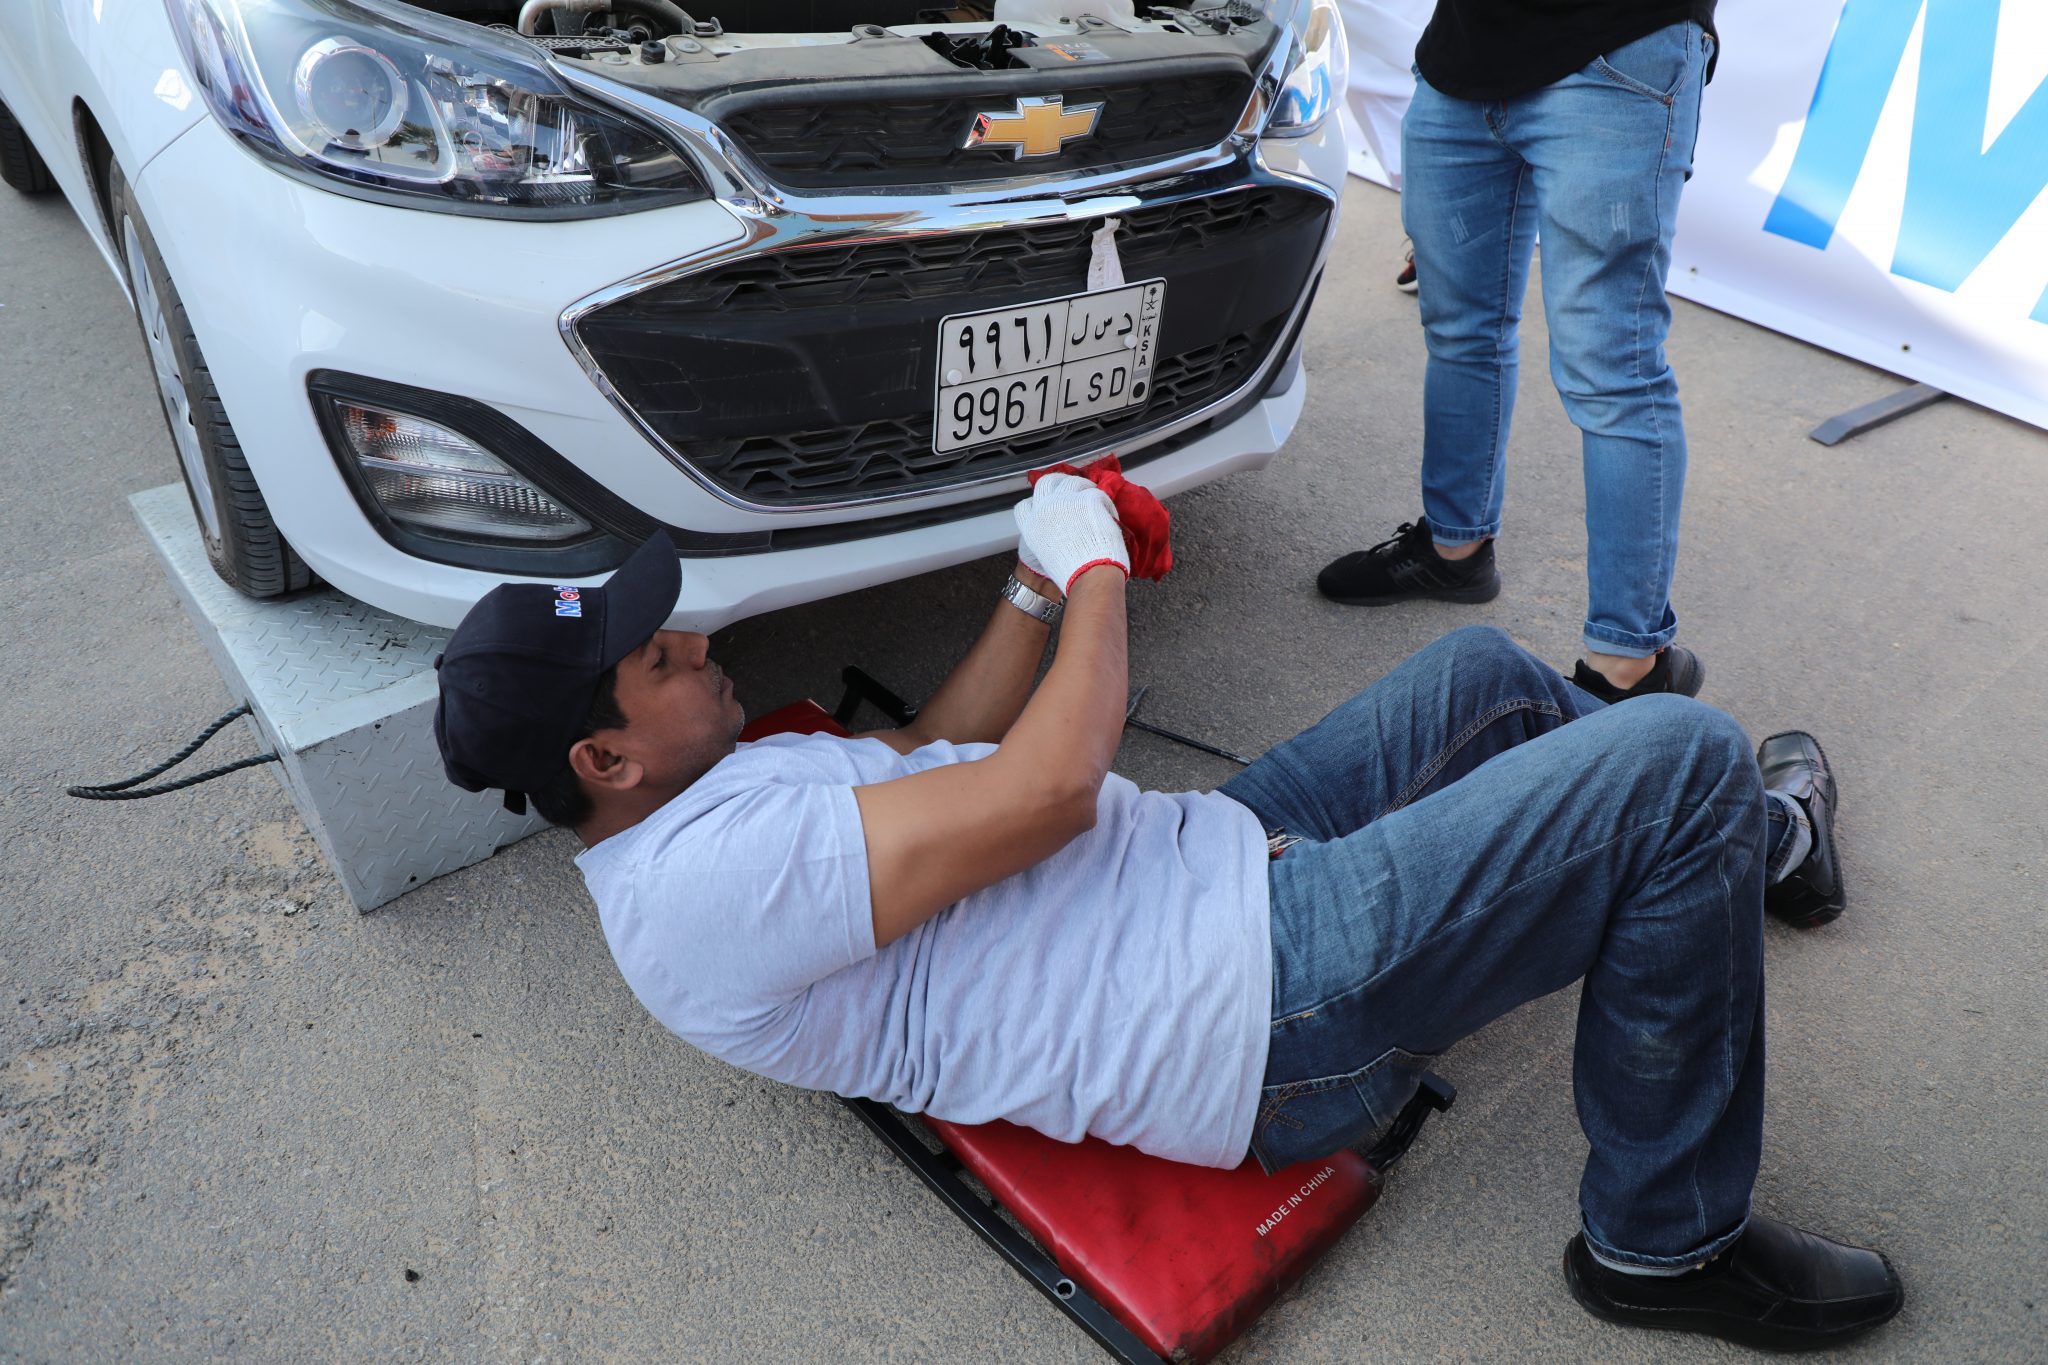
(1961, 197)
(1870, 43)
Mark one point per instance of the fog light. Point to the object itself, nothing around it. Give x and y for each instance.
(428, 477)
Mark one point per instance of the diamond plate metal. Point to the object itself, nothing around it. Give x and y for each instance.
(345, 694)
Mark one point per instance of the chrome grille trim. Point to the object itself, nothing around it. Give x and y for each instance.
(773, 220)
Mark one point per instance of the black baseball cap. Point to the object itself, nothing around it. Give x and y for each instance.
(520, 672)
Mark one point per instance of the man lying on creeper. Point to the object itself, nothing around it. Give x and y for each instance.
(972, 917)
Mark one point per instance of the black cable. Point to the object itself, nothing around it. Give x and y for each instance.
(120, 791)
(1131, 719)
(179, 757)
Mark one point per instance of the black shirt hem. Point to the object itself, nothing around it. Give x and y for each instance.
(1498, 49)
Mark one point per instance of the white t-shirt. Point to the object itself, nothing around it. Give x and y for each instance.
(1121, 988)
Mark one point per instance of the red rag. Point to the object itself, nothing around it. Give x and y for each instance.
(1147, 525)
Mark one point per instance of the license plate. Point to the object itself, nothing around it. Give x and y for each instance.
(1005, 372)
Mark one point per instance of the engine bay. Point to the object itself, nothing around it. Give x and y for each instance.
(852, 95)
(977, 35)
(644, 19)
(720, 56)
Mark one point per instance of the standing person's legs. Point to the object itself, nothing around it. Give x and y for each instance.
(1467, 206)
(1609, 149)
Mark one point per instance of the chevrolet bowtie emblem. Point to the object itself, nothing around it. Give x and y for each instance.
(1037, 127)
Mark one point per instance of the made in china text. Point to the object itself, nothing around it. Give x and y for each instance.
(1295, 1200)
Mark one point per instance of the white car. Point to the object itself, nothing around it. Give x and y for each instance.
(447, 292)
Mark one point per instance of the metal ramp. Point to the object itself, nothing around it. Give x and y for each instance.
(345, 694)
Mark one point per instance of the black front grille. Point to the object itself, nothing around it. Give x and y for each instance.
(909, 142)
(896, 454)
(806, 376)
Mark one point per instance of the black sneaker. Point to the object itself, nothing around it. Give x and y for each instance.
(1776, 1289)
(1792, 762)
(1677, 669)
(1405, 281)
(1407, 568)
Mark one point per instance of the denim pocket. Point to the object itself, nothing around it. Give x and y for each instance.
(1304, 1119)
(1655, 65)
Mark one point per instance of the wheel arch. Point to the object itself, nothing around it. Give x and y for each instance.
(96, 155)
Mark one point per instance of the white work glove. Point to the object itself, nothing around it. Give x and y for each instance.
(1028, 559)
(1067, 525)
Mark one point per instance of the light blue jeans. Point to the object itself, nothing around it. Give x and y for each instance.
(1595, 164)
(1477, 833)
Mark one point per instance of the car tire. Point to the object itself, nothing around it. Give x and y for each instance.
(242, 541)
(20, 165)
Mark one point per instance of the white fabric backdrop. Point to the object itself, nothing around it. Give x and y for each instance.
(1895, 214)
(1382, 36)
(1973, 321)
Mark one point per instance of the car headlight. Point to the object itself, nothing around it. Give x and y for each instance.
(399, 104)
(433, 479)
(1318, 67)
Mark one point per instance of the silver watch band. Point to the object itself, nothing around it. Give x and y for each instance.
(1030, 603)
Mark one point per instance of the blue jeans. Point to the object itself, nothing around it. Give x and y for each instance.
(1595, 163)
(1477, 833)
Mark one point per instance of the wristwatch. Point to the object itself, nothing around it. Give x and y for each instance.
(1030, 603)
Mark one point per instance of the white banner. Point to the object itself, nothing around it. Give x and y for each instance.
(1381, 35)
(1870, 178)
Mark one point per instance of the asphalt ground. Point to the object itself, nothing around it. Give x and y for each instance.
(238, 1121)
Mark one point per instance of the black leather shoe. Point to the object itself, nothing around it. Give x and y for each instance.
(1777, 1289)
(1677, 669)
(1793, 763)
(1407, 568)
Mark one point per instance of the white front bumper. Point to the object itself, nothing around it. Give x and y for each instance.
(282, 279)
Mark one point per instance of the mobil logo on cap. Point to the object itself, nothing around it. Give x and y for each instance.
(568, 601)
